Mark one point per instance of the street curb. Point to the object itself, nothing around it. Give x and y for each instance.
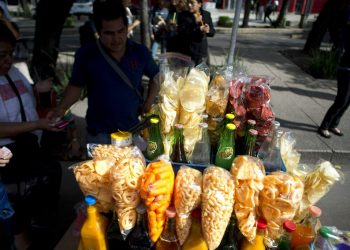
(262, 30)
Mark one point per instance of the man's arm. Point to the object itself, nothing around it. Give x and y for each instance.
(153, 89)
(71, 96)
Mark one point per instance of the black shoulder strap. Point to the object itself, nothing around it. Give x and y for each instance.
(117, 69)
(13, 86)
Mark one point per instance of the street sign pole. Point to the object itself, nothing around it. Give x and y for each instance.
(234, 32)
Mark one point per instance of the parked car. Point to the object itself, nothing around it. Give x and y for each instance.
(81, 7)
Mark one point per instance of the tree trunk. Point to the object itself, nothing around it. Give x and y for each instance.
(320, 26)
(145, 33)
(247, 7)
(50, 18)
(281, 19)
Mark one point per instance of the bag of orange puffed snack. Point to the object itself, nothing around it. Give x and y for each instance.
(217, 204)
(279, 201)
(187, 196)
(156, 189)
(248, 174)
(125, 179)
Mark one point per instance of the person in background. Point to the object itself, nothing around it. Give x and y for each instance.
(194, 26)
(132, 21)
(342, 100)
(113, 104)
(20, 131)
(176, 6)
(268, 10)
(158, 17)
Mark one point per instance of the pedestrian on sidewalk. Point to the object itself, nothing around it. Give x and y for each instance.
(194, 26)
(342, 100)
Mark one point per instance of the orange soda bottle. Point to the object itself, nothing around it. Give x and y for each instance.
(168, 239)
(93, 231)
(305, 232)
(195, 239)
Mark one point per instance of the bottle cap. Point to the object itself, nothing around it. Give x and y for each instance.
(289, 226)
(276, 124)
(315, 211)
(197, 213)
(141, 208)
(230, 116)
(261, 223)
(251, 122)
(230, 126)
(170, 212)
(205, 116)
(179, 126)
(154, 120)
(253, 132)
(325, 232)
(203, 125)
(90, 200)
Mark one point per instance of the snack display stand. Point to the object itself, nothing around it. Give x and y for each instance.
(121, 178)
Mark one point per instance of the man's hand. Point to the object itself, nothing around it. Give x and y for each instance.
(44, 85)
(205, 28)
(56, 114)
(5, 156)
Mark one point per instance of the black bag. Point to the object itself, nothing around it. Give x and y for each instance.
(26, 145)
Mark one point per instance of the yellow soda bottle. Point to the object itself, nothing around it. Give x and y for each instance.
(93, 231)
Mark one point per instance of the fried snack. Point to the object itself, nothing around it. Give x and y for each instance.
(316, 184)
(156, 190)
(248, 173)
(125, 181)
(217, 97)
(93, 178)
(187, 196)
(111, 151)
(217, 204)
(279, 201)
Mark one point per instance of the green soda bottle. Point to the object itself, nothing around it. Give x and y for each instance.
(226, 151)
(250, 142)
(155, 145)
(178, 154)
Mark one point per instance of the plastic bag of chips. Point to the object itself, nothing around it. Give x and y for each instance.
(248, 173)
(187, 196)
(317, 183)
(279, 201)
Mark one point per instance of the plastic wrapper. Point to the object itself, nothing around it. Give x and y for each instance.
(250, 97)
(187, 196)
(217, 97)
(289, 154)
(279, 201)
(125, 180)
(248, 173)
(214, 126)
(192, 131)
(156, 189)
(173, 68)
(93, 178)
(317, 183)
(193, 93)
(217, 204)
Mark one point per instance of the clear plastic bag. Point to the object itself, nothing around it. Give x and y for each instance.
(248, 173)
(93, 179)
(187, 196)
(279, 201)
(125, 178)
(217, 97)
(289, 154)
(156, 189)
(217, 204)
(317, 184)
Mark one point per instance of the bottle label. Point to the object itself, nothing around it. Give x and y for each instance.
(151, 147)
(226, 153)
